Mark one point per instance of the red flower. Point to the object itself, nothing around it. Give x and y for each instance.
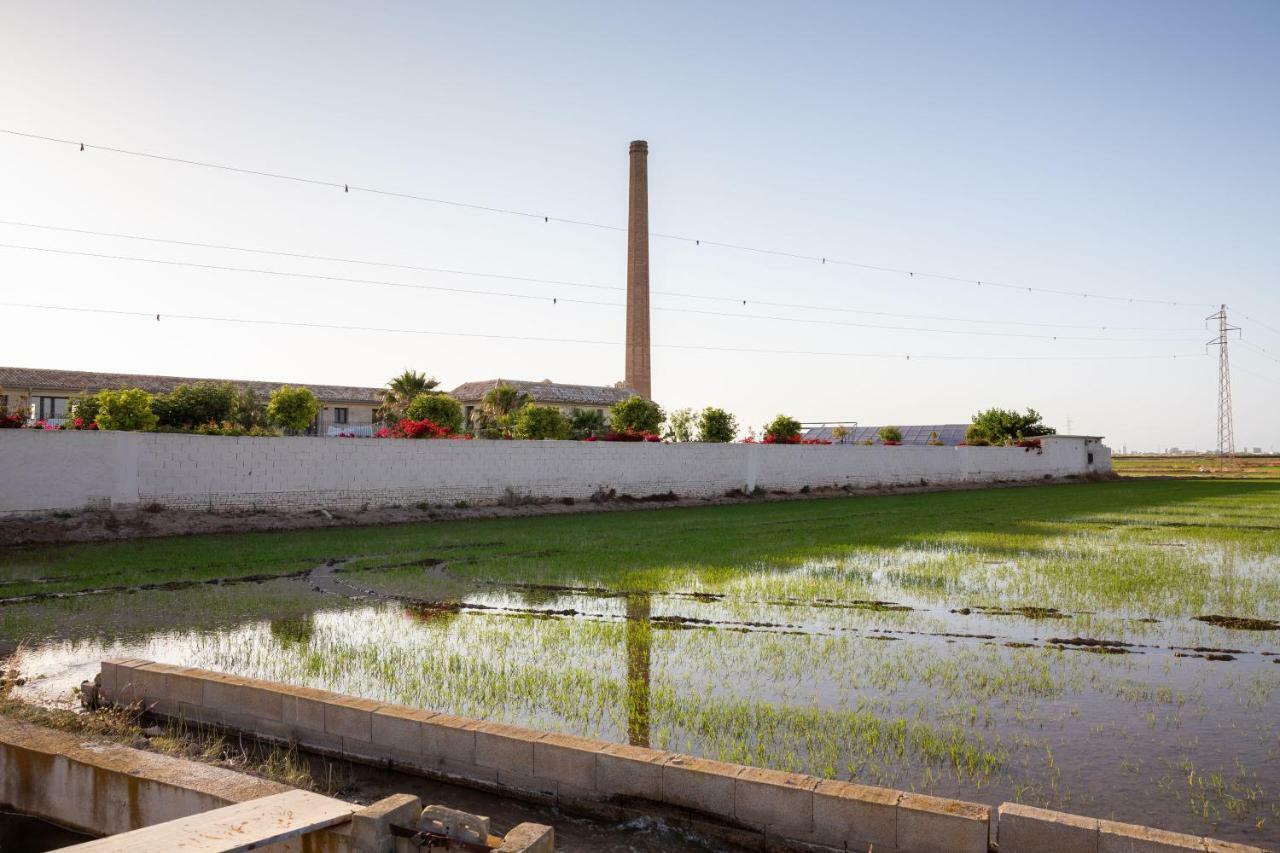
(630, 435)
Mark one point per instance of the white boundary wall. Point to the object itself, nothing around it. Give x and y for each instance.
(42, 470)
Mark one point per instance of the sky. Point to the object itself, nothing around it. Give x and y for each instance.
(1124, 150)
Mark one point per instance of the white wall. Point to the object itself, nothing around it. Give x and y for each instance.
(51, 470)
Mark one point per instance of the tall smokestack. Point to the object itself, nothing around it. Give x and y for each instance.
(637, 375)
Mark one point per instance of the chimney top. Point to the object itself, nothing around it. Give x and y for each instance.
(639, 146)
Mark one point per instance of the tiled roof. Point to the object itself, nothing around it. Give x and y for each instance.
(547, 391)
(76, 381)
(948, 434)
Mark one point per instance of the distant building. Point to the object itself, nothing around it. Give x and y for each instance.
(46, 394)
(948, 434)
(564, 397)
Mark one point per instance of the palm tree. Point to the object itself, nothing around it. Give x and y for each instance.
(401, 390)
(499, 407)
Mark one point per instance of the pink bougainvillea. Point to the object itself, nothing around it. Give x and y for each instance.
(408, 428)
(628, 435)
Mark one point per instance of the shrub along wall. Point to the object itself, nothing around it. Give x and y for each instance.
(73, 470)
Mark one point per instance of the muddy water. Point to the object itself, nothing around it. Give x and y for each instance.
(22, 834)
(1112, 712)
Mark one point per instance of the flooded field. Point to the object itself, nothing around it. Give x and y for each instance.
(1107, 649)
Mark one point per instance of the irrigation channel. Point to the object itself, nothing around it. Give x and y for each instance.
(1109, 650)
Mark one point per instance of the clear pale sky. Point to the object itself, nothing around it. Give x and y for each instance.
(1118, 148)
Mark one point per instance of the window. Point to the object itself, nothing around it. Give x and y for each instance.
(1090, 457)
(50, 407)
(339, 415)
(4, 401)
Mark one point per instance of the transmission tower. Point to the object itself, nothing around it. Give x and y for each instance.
(1226, 437)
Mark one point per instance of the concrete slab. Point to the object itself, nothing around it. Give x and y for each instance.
(240, 827)
(1026, 829)
(700, 784)
(938, 825)
(858, 816)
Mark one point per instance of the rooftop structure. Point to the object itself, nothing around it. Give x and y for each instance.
(948, 434)
(547, 393)
(77, 381)
(346, 409)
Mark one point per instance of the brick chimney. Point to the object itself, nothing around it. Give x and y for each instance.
(637, 374)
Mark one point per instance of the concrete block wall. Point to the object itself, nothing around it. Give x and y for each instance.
(785, 810)
(106, 788)
(48, 470)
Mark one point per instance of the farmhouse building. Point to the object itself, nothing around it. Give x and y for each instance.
(564, 397)
(46, 394)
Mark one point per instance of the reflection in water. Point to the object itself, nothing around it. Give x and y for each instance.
(639, 642)
(294, 632)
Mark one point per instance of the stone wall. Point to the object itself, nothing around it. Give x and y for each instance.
(48, 470)
(784, 810)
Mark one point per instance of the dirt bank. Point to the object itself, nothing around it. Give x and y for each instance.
(154, 521)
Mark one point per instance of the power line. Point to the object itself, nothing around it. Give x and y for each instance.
(491, 336)
(1260, 324)
(347, 187)
(558, 299)
(1258, 375)
(1265, 353)
(594, 286)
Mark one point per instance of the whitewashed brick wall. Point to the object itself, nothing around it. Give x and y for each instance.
(47, 470)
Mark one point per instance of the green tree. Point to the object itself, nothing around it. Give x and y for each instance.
(537, 422)
(401, 391)
(636, 414)
(85, 406)
(189, 406)
(441, 409)
(1005, 426)
(292, 409)
(586, 423)
(125, 409)
(248, 411)
(716, 425)
(890, 434)
(782, 429)
(498, 410)
(680, 425)
(839, 434)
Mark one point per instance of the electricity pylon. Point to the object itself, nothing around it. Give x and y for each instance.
(1226, 437)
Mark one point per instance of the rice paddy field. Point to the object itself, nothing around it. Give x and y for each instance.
(1242, 467)
(1110, 649)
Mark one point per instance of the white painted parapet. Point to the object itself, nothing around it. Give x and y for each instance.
(42, 470)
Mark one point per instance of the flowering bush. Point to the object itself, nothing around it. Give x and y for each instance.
(636, 414)
(628, 435)
(409, 428)
(769, 438)
(1029, 444)
(782, 430)
(891, 443)
(12, 420)
(441, 409)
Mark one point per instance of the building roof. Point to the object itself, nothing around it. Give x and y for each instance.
(949, 434)
(547, 391)
(77, 381)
